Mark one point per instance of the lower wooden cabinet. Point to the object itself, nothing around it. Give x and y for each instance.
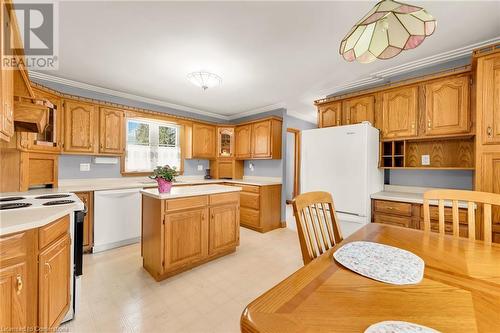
(54, 283)
(260, 207)
(88, 223)
(224, 228)
(35, 277)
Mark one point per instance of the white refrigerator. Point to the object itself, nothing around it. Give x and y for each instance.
(343, 160)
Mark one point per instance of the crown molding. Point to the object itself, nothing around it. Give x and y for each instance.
(252, 112)
(117, 93)
(383, 75)
(310, 118)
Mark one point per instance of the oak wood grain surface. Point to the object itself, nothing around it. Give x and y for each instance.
(460, 291)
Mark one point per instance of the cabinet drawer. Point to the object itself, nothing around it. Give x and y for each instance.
(249, 188)
(399, 221)
(217, 199)
(393, 207)
(185, 203)
(250, 200)
(250, 216)
(448, 214)
(13, 246)
(53, 231)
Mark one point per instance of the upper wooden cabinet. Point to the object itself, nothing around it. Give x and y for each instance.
(359, 109)
(330, 114)
(399, 112)
(81, 127)
(111, 131)
(266, 139)
(225, 142)
(243, 140)
(6, 83)
(489, 98)
(447, 106)
(203, 141)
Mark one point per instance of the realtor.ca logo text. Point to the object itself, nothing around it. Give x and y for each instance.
(38, 36)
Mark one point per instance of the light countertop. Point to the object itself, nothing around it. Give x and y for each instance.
(410, 194)
(190, 191)
(101, 184)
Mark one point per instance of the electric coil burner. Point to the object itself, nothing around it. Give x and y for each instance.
(53, 196)
(57, 202)
(14, 205)
(11, 199)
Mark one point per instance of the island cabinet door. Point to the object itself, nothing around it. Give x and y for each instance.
(53, 283)
(224, 228)
(186, 238)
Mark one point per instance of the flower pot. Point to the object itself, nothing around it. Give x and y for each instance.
(164, 186)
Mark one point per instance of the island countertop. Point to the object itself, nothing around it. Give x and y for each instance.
(190, 191)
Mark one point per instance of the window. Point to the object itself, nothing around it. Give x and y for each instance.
(151, 143)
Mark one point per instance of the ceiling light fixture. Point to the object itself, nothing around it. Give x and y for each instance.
(204, 80)
(389, 28)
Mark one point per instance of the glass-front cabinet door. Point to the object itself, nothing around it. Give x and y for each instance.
(225, 144)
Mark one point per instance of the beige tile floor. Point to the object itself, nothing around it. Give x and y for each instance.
(119, 296)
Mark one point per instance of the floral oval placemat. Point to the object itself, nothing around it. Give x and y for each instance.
(398, 327)
(381, 262)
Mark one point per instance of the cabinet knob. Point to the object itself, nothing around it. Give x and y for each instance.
(19, 284)
(49, 268)
(412, 125)
(489, 131)
(429, 124)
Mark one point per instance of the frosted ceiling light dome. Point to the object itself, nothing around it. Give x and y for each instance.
(204, 80)
(389, 28)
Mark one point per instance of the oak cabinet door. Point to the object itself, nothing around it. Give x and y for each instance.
(186, 238)
(80, 127)
(243, 140)
(88, 226)
(204, 141)
(490, 180)
(399, 112)
(6, 83)
(490, 95)
(54, 283)
(111, 129)
(224, 229)
(359, 109)
(13, 309)
(447, 106)
(330, 114)
(261, 139)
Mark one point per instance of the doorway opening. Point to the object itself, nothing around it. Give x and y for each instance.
(293, 164)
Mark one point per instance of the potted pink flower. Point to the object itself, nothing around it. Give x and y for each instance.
(164, 176)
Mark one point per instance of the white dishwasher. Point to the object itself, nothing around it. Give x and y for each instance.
(117, 218)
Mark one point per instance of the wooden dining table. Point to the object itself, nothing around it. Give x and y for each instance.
(460, 291)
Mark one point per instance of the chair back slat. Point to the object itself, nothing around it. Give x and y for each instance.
(471, 219)
(317, 225)
(474, 200)
(456, 226)
(441, 216)
(487, 222)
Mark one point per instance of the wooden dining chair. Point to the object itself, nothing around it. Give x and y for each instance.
(473, 199)
(317, 225)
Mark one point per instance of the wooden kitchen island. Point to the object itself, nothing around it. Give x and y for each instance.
(188, 227)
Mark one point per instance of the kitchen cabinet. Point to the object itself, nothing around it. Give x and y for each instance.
(225, 142)
(88, 222)
(6, 84)
(488, 98)
(266, 139)
(200, 141)
(181, 233)
(447, 108)
(13, 306)
(260, 207)
(330, 114)
(224, 228)
(54, 282)
(490, 182)
(111, 131)
(81, 127)
(226, 168)
(243, 140)
(50, 139)
(359, 109)
(399, 112)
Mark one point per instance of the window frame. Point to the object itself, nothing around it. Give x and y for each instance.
(157, 120)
